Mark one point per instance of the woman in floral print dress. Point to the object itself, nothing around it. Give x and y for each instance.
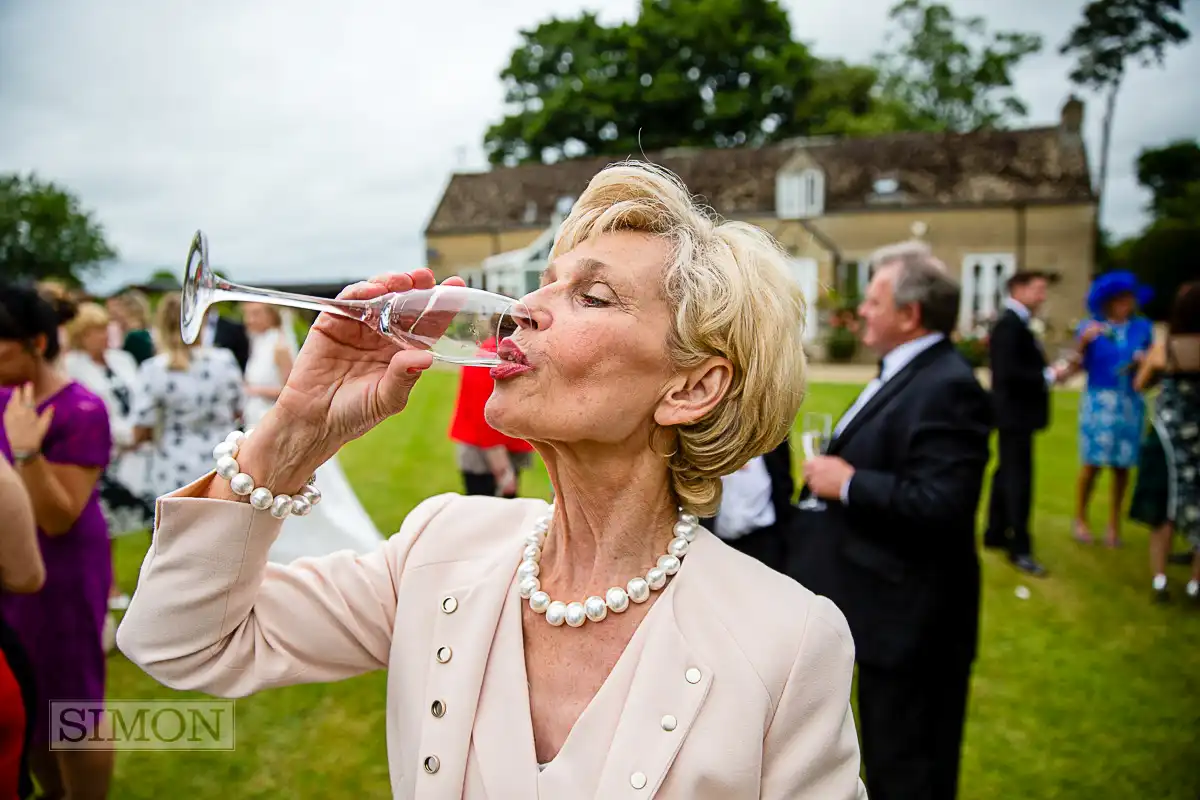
(1176, 423)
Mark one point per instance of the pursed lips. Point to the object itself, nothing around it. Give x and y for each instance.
(513, 361)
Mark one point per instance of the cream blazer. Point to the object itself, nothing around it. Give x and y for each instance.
(741, 687)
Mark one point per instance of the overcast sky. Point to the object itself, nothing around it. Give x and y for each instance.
(313, 139)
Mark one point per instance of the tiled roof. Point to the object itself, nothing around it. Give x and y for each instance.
(984, 167)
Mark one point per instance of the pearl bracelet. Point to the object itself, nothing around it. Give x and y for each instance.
(280, 505)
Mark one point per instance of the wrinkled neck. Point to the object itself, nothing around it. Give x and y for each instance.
(613, 517)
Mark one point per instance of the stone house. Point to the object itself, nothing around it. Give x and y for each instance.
(988, 202)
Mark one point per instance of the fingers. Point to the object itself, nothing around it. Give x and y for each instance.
(405, 281)
(423, 279)
(402, 373)
(395, 282)
(44, 420)
(363, 290)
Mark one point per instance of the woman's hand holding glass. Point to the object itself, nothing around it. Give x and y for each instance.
(346, 379)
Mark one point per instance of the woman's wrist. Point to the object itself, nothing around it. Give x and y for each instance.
(281, 460)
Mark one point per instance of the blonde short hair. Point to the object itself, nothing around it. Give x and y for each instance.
(88, 316)
(730, 294)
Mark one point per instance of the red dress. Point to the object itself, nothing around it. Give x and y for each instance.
(16, 724)
(469, 426)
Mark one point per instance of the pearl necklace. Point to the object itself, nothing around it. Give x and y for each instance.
(616, 599)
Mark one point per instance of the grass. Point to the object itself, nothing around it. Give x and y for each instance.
(1084, 690)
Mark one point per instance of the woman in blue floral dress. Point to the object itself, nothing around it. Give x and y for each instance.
(1112, 413)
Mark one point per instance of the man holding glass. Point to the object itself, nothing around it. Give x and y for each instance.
(893, 542)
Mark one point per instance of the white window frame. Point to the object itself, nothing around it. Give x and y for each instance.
(984, 276)
(800, 194)
(806, 273)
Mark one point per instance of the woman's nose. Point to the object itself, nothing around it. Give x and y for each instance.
(537, 316)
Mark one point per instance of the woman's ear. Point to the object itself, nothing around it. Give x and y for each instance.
(38, 345)
(693, 394)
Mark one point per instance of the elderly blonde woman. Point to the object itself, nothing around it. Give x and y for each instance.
(606, 646)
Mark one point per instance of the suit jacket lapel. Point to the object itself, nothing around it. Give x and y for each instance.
(887, 392)
(669, 687)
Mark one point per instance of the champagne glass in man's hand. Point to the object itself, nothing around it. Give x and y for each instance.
(814, 438)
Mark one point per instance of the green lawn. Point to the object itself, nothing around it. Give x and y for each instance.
(1084, 690)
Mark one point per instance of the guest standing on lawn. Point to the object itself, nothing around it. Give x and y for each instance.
(56, 433)
(1021, 382)
(490, 462)
(1112, 412)
(894, 545)
(1176, 431)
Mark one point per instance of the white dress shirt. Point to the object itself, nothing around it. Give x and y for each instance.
(895, 360)
(1024, 314)
(745, 501)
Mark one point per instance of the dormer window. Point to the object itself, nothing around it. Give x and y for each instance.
(800, 195)
(886, 186)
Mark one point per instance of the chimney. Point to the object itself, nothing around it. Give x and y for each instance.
(1072, 116)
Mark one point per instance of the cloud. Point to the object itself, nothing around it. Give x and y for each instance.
(312, 140)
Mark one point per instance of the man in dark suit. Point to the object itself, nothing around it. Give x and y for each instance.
(895, 545)
(1021, 383)
(221, 332)
(756, 507)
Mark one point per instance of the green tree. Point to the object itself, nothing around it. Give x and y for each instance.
(684, 73)
(1164, 257)
(1112, 35)
(1164, 254)
(1172, 174)
(948, 72)
(45, 233)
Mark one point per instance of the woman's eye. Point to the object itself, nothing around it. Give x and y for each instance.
(596, 296)
(593, 301)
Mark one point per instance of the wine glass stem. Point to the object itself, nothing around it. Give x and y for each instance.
(354, 309)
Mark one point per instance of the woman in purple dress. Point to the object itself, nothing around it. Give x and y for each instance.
(56, 435)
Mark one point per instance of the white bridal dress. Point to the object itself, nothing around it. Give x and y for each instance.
(339, 521)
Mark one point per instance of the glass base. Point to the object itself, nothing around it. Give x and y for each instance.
(812, 504)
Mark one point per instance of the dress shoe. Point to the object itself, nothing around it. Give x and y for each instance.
(1028, 565)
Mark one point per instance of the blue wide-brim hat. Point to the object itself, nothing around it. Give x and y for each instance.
(1111, 284)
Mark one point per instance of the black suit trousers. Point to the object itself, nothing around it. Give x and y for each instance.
(912, 727)
(1012, 494)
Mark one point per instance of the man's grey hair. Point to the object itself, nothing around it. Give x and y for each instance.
(922, 279)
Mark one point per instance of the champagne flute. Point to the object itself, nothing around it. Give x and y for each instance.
(815, 437)
(452, 322)
(1067, 357)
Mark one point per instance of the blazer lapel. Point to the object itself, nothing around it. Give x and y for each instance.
(669, 687)
(463, 638)
(886, 392)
